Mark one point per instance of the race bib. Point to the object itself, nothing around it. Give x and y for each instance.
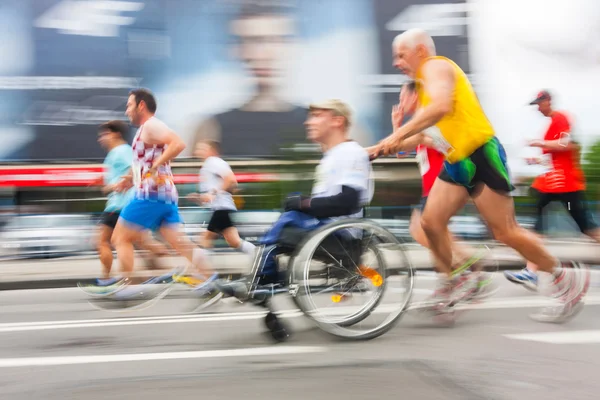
(423, 160)
(137, 174)
(439, 141)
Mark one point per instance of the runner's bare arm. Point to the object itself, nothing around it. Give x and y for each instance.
(107, 189)
(161, 134)
(412, 142)
(565, 143)
(404, 145)
(125, 183)
(439, 83)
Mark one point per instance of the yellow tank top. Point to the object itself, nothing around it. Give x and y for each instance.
(466, 127)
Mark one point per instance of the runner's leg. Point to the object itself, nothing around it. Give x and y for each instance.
(528, 276)
(124, 236)
(498, 211)
(544, 199)
(460, 252)
(179, 241)
(135, 220)
(105, 250)
(233, 239)
(574, 202)
(444, 200)
(207, 239)
(497, 208)
(155, 248)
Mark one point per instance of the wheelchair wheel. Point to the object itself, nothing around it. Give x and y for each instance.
(349, 260)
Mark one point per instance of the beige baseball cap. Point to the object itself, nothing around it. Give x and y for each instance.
(335, 105)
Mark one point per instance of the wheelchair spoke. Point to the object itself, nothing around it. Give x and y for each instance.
(340, 265)
(354, 247)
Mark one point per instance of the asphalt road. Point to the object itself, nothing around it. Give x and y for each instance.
(56, 346)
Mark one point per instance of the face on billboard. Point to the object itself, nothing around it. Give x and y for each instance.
(262, 44)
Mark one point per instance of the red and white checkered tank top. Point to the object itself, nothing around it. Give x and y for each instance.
(159, 187)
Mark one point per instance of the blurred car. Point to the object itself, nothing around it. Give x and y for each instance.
(47, 235)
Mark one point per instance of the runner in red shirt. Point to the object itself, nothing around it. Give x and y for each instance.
(563, 180)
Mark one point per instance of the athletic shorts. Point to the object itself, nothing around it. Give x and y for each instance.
(574, 202)
(486, 166)
(220, 221)
(110, 218)
(151, 215)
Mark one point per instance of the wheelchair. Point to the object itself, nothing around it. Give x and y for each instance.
(328, 268)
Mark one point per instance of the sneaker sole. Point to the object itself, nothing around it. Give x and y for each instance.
(525, 283)
(561, 319)
(582, 280)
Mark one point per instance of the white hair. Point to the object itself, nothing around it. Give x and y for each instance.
(414, 37)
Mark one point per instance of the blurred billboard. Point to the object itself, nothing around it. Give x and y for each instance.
(241, 71)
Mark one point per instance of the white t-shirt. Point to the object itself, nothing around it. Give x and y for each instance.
(346, 164)
(212, 174)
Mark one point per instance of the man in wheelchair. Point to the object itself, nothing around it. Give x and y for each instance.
(342, 187)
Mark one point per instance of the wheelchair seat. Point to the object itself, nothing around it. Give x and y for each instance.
(341, 249)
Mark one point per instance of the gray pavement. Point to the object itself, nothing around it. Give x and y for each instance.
(56, 346)
(66, 272)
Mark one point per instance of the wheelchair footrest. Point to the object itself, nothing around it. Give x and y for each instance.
(262, 292)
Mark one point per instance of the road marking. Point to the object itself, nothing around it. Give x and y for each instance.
(113, 358)
(570, 337)
(501, 303)
(164, 320)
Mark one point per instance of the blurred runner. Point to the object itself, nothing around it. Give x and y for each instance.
(217, 183)
(563, 180)
(155, 203)
(117, 163)
(475, 167)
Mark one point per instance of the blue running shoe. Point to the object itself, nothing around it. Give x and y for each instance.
(106, 282)
(524, 277)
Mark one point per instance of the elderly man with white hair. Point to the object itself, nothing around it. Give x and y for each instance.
(475, 166)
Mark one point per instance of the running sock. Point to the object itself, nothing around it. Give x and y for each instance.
(247, 247)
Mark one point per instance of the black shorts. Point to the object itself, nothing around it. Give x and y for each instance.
(574, 202)
(110, 219)
(220, 221)
(486, 166)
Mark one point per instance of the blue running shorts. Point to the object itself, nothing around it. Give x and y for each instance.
(151, 215)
